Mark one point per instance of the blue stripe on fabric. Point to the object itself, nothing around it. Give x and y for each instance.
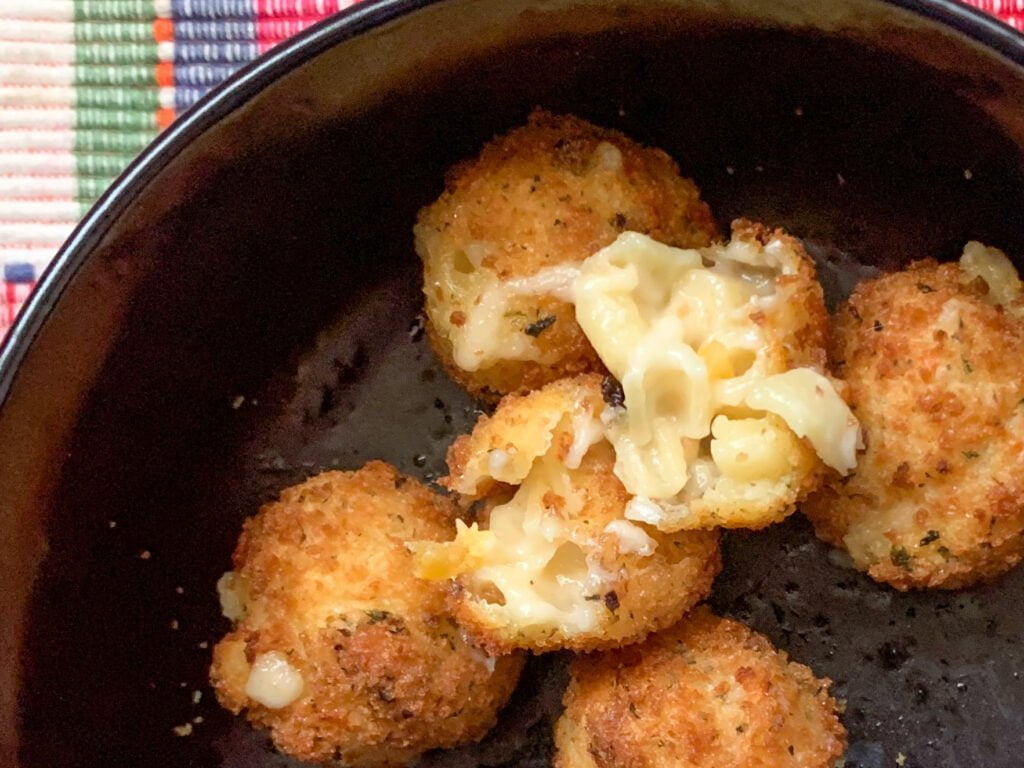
(215, 53)
(216, 30)
(213, 9)
(186, 96)
(19, 272)
(203, 75)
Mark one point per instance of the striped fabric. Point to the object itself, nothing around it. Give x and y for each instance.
(85, 85)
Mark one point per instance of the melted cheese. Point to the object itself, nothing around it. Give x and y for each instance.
(234, 596)
(992, 266)
(683, 331)
(273, 681)
(486, 333)
(527, 568)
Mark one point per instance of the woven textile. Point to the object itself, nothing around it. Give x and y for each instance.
(86, 84)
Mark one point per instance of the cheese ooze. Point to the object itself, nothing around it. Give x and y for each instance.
(273, 681)
(683, 332)
(534, 574)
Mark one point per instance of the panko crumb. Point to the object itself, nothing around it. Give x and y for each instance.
(551, 562)
(707, 692)
(499, 245)
(932, 357)
(339, 650)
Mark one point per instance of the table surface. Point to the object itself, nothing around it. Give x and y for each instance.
(85, 85)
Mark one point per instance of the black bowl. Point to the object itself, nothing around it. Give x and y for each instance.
(239, 312)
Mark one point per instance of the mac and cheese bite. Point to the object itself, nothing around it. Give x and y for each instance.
(551, 562)
(707, 692)
(502, 245)
(727, 418)
(336, 647)
(933, 357)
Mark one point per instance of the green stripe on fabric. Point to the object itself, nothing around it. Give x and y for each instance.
(142, 120)
(108, 10)
(112, 97)
(101, 164)
(126, 75)
(113, 31)
(115, 53)
(112, 141)
(91, 187)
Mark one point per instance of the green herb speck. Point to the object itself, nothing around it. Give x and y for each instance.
(900, 557)
(537, 328)
(929, 538)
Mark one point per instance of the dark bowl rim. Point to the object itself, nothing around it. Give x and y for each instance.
(238, 89)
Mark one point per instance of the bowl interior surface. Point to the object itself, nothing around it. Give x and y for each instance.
(262, 326)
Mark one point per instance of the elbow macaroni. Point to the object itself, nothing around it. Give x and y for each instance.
(697, 339)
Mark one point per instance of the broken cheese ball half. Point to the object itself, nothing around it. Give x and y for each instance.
(726, 417)
(551, 562)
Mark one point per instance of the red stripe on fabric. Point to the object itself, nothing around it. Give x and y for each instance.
(298, 8)
(276, 30)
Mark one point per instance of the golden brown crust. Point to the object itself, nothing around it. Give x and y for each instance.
(542, 195)
(386, 672)
(643, 593)
(707, 692)
(934, 374)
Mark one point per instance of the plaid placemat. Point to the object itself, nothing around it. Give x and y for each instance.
(86, 84)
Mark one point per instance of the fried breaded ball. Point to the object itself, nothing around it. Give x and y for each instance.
(500, 245)
(551, 562)
(935, 371)
(707, 693)
(337, 648)
(728, 418)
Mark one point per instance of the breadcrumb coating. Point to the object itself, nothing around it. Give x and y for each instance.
(551, 562)
(545, 195)
(708, 692)
(935, 371)
(323, 580)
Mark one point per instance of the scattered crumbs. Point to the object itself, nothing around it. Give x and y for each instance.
(730, 170)
(198, 719)
(180, 590)
(759, 168)
(968, 174)
(622, 112)
(841, 179)
(111, 523)
(799, 111)
(183, 684)
(145, 554)
(197, 696)
(901, 759)
(255, 401)
(183, 730)
(204, 645)
(237, 402)
(174, 624)
(417, 328)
